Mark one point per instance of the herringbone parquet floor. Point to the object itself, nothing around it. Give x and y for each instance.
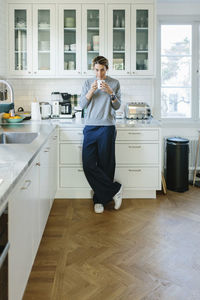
(148, 250)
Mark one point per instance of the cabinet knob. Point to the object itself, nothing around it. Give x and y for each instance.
(38, 164)
(134, 132)
(79, 72)
(84, 72)
(35, 72)
(128, 72)
(133, 72)
(27, 183)
(134, 147)
(29, 72)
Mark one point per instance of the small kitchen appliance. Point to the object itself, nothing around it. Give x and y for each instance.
(61, 106)
(137, 110)
(45, 109)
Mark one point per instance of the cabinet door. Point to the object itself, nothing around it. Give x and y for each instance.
(138, 178)
(53, 165)
(92, 35)
(119, 39)
(20, 41)
(44, 39)
(137, 154)
(142, 39)
(45, 185)
(23, 233)
(70, 39)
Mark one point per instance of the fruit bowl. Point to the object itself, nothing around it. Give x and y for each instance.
(15, 120)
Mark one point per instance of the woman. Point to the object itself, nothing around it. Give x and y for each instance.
(101, 96)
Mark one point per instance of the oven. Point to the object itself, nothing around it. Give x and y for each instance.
(4, 247)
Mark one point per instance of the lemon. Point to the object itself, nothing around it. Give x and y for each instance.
(6, 116)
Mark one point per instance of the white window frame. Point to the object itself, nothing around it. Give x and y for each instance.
(180, 20)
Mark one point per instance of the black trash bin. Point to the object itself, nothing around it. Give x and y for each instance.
(177, 164)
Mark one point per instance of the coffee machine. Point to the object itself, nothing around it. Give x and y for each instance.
(62, 106)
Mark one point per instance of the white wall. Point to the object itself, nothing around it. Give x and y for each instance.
(3, 35)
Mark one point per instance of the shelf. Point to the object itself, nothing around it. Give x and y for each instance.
(93, 28)
(41, 51)
(142, 51)
(119, 28)
(69, 29)
(70, 52)
(16, 28)
(25, 51)
(93, 51)
(118, 51)
(44, 29)
(142, 28)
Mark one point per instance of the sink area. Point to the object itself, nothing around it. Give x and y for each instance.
(17, 137)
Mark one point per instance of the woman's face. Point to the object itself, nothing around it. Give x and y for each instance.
(100, 71)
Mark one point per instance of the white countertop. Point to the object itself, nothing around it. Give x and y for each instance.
(120, 123)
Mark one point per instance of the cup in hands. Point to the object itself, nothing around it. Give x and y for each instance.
(99, 82)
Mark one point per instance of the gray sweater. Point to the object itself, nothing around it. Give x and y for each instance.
(100, 109)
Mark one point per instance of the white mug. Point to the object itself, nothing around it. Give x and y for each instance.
(99, 83)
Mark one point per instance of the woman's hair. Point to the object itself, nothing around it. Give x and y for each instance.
(101, 60)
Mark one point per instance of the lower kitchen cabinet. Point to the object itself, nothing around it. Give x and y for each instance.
(24, 232)
(138, 163)
(29, 205)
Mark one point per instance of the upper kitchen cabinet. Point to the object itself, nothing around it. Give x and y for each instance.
(119, 39)
(44, 44)
(92, 35)
(130, 39)
(32, 42)
(20, 28)
(142, 40)
(70, 39)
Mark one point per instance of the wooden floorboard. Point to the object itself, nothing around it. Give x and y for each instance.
(148, 250)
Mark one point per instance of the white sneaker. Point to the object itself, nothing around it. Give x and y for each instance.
(118, 199)
(98, 208)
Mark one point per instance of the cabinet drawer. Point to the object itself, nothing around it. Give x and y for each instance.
(71, 135)
(137, 135)
(137, 153)
(73, 177)
(137, 177)
(71, 153)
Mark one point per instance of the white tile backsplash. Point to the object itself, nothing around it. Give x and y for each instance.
(27, 89)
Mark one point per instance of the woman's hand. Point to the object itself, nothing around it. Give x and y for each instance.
(106, 88)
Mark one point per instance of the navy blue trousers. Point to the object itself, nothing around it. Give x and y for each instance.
(98, 158)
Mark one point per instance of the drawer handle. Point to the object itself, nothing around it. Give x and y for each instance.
(134, 147)
(134, 170)
(79, 170)
(134, 132)
(80, 133)
(38, 164)
(25, 187)
(46, 150)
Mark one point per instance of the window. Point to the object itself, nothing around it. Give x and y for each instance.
(176, 71)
